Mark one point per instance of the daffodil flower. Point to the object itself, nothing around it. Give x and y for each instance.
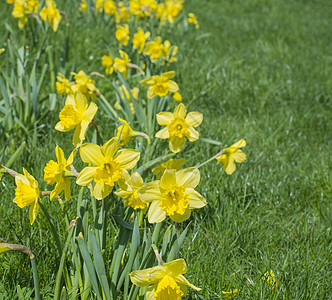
(110, 164)
(126, 97)
(142, 8)
(129, 191)
(171, 164)
(139, 39)
(121, 64)
(229, 295)
(231, 154)
(192, 19)
(63, 85)
(164, 281)
(122, 34)
(57, 172)
(121, 13)
(52, 14)
(109, 7)
(27, 194)
(161, 85)
(179, 127)
(22, 9)
(108, 63)
(125, 133)
(76, 114)
(173, 195)
(85, 85)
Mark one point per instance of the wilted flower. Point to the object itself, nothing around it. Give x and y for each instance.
(164, 281)
(76, 114)
(140, 38)
(231, 154)
(160, 85)
(192, 19)
(57, 172)
(52, 14)
(27, 194)
(173, 195)
(109, 166)
(171, 164)
(179, 127)
(122, 34)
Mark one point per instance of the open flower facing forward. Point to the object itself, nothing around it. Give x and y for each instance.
(231, 154)
(139, 39)
(179, 127)
(164, 281)
(173, 195)
(160, 85)
(76, 114)
(122, 64)
(171, 164)
(27, 194)
(57, 172)
(122, 34)
(110, 164)
(52, 14)
(128, 191)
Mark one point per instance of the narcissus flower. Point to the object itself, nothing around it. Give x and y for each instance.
(121, 13)
(192, 19)
(85, 85)
(110, 7)
(126, 97)
(52, 14)
(63, 85)
(58, 172)
(270, 278)
(122, 34)
(161, 85)
(125, 133)
(170, 52)
(108, 63)
(177, 97)
(109, 165)
(76, 114)
(171, 164)
(27, 194)
(229, 295)
(121, 64)
(169, 10)
(173, 195)
(2, 50)
(128, 191)
(142, 8)
(22, 9)
(179, 127)
(164, 281)
(83, 6)
(231, 154)
(139, 39)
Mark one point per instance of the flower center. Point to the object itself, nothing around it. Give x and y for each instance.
(160, 89)
(174, 201)
(135, 202)
(178, 128)
(70, 116)
(168, 290)
(108, 173)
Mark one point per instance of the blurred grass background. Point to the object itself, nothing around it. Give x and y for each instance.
(259, 70)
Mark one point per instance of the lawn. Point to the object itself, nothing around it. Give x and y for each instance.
(259, 70)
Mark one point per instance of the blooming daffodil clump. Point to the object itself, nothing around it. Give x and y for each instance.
(58, 172)
(164, 281)
(129, 191)
(173, 195)
(161, 85)
(76, 114)
(23, 8)
(171, 164)
(179, 127)
(142, 8)
(122, 34)
(52, 14)
(109, 165)
(139, 39)
(231, 154)
(27, 194)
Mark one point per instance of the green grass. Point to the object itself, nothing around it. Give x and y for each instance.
(259, 70)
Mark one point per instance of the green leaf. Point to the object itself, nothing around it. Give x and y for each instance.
(177, 245)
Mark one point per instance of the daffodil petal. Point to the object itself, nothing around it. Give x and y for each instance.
(150, 191)
(33, 211)
(176, 267)
(136, 181)
(240, 144)
(101, 191)
(60, 155)
(86, 176)
(110, 147)
(168, 180)
(67, 189)
(182, 280)
(194, 119)
(91, 112)
(196, 200)
(57, 190)
(229, 165)
(180, 111)
(127, 158)
(163, 133)
(71, 157)
(180, 218)
(165, 118)
(176, 144)
(188, 178)
(239, 156)
(193, 134)
(173, 86)
(156, 214)
(148, 276)
(91, 154)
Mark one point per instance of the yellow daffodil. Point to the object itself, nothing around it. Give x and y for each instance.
(121, 13)
(170, 52)
(161, 85)
(171, 164)
(83, 6)
(58, 172)
(125, 133)
(76, 114)
(122, 34)
(110, 7)
(164, 281)
(109, 166)
(126, 97)
(2, 50)
(229, 295)
(27, 194)
(179, 127)
(108, 63)
(270, 278)
(169, 10)
(192, 19)
(140, 38)
(52, 14)
(142, 8)
(11, 1)
(231, 154)
(128, 191)
(22, 9)
(155, 49)
(99, 5)
(85, 85)
(121, 64)
(177, 97)
(63, 85)
(173, 195)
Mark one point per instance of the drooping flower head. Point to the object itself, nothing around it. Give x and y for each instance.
(139, 39)
(76, 114)
(179, 127)
(109, 165)
(121, 64)
(85, 85)
(122, 34)
(27, 194)
(173, 195)
(52, 14)
(108, 63)
(164, 281)
(56, 172)
(63, 85)
(231, 154)
(129, 188)
(161, 85)
(171, 164)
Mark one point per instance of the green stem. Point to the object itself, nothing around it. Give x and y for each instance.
(35, 277)
(210, 159)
